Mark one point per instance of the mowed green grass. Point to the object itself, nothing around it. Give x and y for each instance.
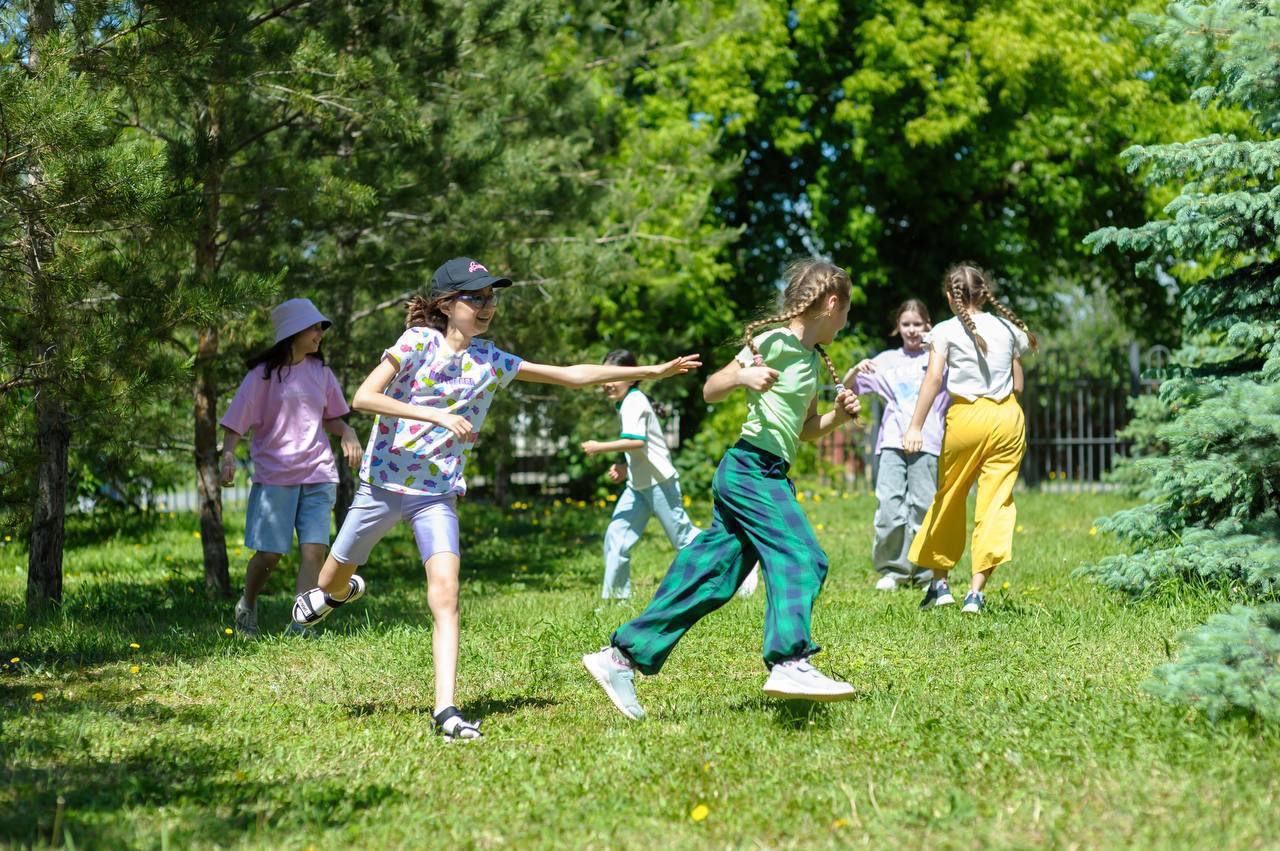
(1025, 726)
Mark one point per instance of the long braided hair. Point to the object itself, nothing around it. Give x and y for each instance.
(808, 282)
(969, 288)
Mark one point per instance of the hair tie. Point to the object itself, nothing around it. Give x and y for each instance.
(758, 360)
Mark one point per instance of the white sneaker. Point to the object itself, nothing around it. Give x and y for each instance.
(246, 619)
(887, 583)
(616, 676)
(796, 678)
(748, 586)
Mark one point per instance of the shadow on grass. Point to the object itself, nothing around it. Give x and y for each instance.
(111, 801)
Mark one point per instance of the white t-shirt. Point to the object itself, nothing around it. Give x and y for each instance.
(651, 464)
(971, 374)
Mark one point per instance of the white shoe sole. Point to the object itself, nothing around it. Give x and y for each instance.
(817, 698)
(972, 610)
(602, 680)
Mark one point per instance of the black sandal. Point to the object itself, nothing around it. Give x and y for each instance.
(450, 724)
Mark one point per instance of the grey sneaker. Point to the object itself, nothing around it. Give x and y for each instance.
(246, 619)
(974, 603)
(796, 678)
(937, 594)
(615, 675)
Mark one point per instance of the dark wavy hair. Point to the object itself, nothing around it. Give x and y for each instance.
(276, 358)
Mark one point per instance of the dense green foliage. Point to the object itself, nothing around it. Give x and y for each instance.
(1213, 484)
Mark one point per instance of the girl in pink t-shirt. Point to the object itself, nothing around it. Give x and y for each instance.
(291, 402)
(431, 393)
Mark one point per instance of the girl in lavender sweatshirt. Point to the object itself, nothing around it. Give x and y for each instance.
(905, 484)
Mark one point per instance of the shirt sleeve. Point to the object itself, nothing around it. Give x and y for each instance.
(937, 339)
(875, 382)
(245, 408)
(1020, 342)
(634, 415)
(335, 404)
(505, 365)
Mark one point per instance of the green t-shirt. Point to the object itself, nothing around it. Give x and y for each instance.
(775, 417)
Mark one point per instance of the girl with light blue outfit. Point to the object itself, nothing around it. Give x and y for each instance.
(653, 487)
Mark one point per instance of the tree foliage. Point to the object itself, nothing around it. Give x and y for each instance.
(1213, 488)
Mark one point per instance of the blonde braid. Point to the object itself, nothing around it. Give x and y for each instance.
(750, 331)
(957, 285)
(1013, 317)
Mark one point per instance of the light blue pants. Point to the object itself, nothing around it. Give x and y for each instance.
(630, 516)
(905, 485)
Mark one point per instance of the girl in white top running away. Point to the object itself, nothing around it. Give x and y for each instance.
(985, 436)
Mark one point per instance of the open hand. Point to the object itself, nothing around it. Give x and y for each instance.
(758, 378)
(912, 441)
(460, 426)
(679, 366)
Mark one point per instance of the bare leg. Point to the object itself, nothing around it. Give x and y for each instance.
(310, 558)
(442, 595)
(979, 580)
(334, 578)
(255, 575)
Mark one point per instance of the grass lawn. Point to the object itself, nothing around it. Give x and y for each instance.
(1025, 726)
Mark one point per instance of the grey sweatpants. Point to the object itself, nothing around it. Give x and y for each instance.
(905, 485)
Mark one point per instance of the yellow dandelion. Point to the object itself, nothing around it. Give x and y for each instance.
(8, 538)
(817, 497)
(1004, 587)
(172, 515)
(844, 496)
(195, 534)
(1018, 528)
(15, 660)
(133, 669)
(687, 501)
(21, 626)
(557, 503)
(800, 497)
(819, 527)
(229, 631)
(240, 776)
(838, 823)
(700, 812)
(613, 497)
(135, 646)
(1093, 530)
(38, 696)
(1052, 475)
(706, 766)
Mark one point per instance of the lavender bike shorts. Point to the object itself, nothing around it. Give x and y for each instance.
(374, 511)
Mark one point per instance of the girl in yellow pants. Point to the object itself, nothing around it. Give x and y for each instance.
(985, 436)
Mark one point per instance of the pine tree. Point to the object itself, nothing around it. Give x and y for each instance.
(1213, 490)
(80, 207)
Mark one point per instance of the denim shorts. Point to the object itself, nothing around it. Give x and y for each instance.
(376, 510)
(276, 510)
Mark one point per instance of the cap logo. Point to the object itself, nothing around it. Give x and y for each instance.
(474, 267)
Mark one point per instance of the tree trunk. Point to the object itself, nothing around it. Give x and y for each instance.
(212, 535)
(53, 437)
(49, 513)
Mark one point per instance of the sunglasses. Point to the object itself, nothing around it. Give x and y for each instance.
(478, 302)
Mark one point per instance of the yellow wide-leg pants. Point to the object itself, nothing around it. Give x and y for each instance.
(984, 441)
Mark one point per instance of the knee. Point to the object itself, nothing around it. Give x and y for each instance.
(442, 595)
(269, 560)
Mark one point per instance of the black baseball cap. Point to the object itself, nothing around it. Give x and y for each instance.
(462, 274)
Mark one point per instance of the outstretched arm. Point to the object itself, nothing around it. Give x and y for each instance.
(622, 444)
(587, 374)
(929, 390)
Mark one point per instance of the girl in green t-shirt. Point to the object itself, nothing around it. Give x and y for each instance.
(756, 515)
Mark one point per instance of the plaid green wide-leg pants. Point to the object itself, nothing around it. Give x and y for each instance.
(756, 517)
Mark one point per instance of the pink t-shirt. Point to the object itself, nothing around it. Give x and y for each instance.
(290, 446)
(897, 380)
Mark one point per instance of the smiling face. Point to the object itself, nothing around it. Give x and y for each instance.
(911, 328)
(471, 312)
(306, 342)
